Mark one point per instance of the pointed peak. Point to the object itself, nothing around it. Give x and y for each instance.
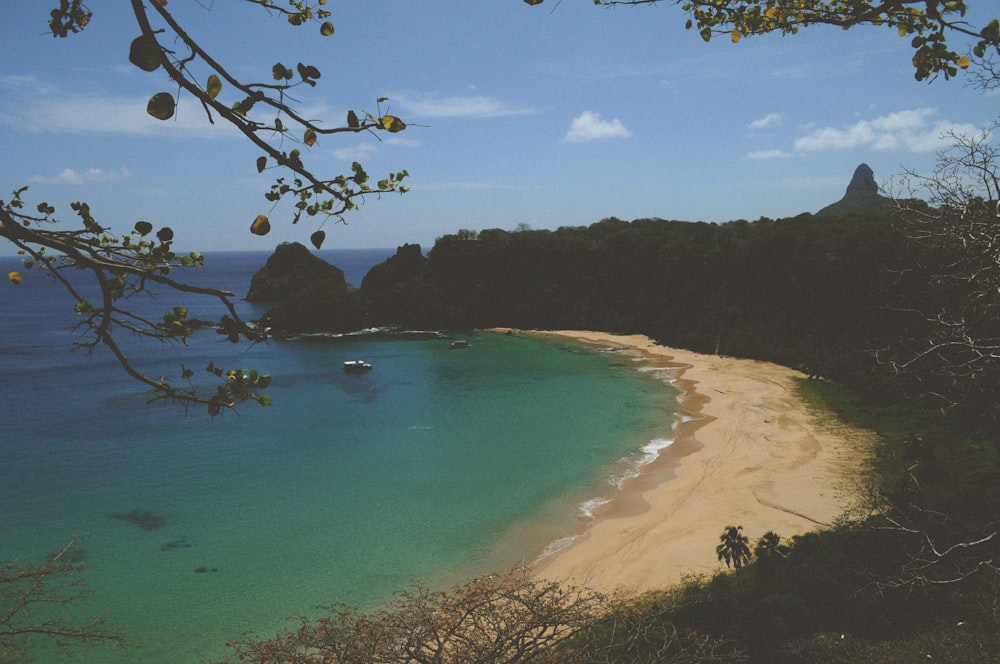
(861, 197)
(863, 181)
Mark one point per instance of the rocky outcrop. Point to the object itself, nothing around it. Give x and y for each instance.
(290, 270)
(402, 292)
(861, 197)
(311, 295)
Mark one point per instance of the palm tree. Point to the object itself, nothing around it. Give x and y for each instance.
(769, 547)
(769, 551)
(734, 548)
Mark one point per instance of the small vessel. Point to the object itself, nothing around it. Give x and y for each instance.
(356, 366)
(461, 343)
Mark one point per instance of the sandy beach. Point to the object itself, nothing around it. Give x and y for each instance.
(753, 454)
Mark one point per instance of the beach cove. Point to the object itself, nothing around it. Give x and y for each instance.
(747, 451)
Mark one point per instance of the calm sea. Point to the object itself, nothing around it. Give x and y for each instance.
(437, 465)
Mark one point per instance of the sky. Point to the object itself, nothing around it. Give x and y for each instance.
(556, 115)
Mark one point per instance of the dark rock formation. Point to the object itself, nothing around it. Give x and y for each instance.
(402, 292)
(289, 270)
(311, 294)
(861, 197)
(318, 307)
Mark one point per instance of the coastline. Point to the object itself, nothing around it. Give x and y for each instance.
(747, 451)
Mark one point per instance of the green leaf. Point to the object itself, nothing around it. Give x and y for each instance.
(261, 164)
(144, 53)
(214, 86)
(165, 234)
(992, 30)
(706, 34)
(281, 72)
(317, 239)
(326, 29)
(352, 120)
(309, 138)
(161, 106)
(308, 72)
(264, 400)
(143, 228)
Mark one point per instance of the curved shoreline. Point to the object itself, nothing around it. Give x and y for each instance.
(747, 451)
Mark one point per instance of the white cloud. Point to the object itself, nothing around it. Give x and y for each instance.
(70, 176)
(362, 151)
(911, 130)
(769, 154)
(590, 126)
(95, 114)
(769, 120)
(459, 107)
(914, 130)
(357, 152)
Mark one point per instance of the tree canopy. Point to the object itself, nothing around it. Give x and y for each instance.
(933, 26)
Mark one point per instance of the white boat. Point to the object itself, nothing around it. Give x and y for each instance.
(356, 366)
(461, 343)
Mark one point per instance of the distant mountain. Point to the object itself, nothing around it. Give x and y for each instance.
(861, 197)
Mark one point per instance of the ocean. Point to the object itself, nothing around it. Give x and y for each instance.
(438, 465)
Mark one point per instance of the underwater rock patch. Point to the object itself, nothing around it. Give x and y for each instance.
(142, 519)
(181, 543)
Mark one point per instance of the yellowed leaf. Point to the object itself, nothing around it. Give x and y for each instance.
(260, 225)
(392, 124)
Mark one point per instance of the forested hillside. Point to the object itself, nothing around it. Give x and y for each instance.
(818, 293)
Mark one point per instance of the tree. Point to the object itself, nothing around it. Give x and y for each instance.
(511, 617)
(141, 261)
(769, 547)
(929, 24)
(26, 589)
(957, 358)
(734, 548)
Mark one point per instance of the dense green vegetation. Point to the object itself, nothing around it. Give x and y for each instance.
(820, 294)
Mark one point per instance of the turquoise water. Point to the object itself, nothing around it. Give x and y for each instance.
(437, 465)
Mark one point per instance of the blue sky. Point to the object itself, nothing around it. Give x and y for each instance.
(555, 115)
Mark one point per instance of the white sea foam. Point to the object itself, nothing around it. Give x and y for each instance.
(648, 453)
(555, 547)
(587, 507)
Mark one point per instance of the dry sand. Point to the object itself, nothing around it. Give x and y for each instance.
(754, 455)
